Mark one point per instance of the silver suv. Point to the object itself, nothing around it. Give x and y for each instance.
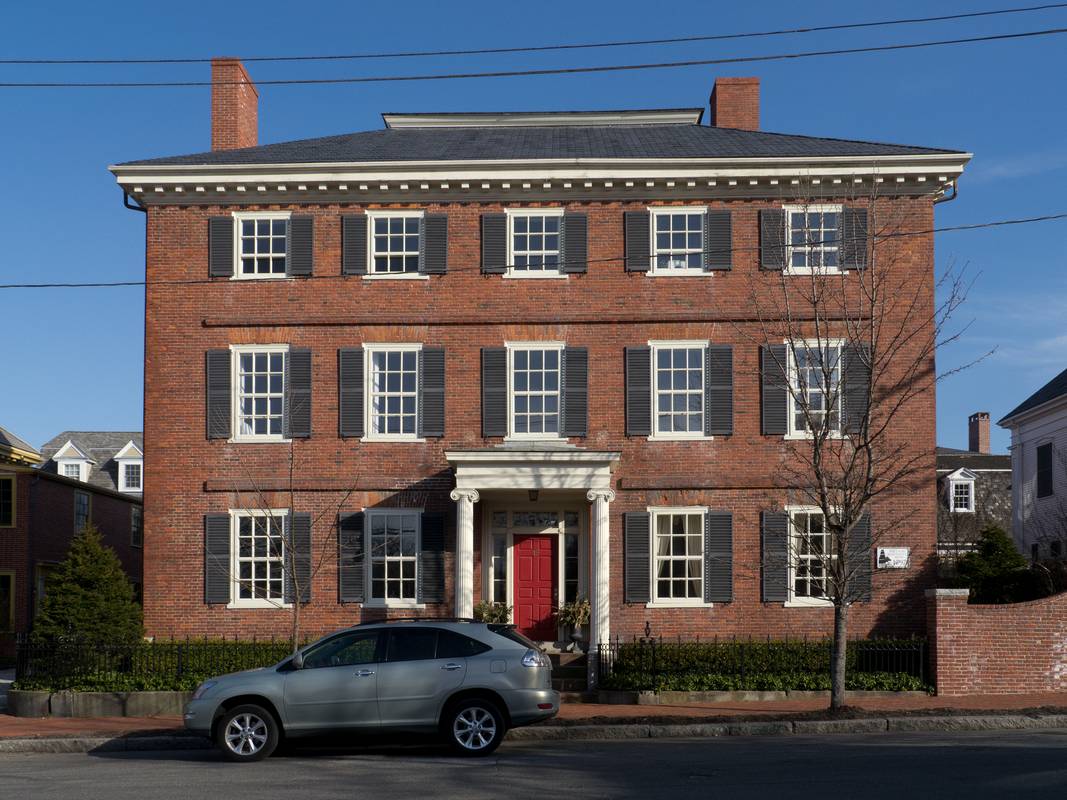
(469, 681)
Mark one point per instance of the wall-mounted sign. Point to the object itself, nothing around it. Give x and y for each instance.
(894, 557)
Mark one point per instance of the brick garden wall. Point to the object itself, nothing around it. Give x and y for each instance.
(1001, 649)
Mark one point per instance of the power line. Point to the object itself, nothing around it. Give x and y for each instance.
(891, 235)
(546, 48)
(531, 72)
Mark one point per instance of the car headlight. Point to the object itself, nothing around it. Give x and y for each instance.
(201, 690)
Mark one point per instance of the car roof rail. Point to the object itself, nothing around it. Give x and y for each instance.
(416, 619)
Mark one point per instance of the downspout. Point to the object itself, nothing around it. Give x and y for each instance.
(138, 206)
(942, 199)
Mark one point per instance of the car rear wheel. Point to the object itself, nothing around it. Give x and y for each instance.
(474, 727)
(247, 733)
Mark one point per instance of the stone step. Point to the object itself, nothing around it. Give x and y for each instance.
(577, 697)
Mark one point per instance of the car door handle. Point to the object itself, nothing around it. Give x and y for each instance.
(452, 667)
(364, 673)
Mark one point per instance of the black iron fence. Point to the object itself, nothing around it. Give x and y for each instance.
(759, 664)
(141, 666)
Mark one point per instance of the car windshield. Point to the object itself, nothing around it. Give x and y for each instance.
(509, 632)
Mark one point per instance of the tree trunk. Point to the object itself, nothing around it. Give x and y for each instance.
(296, 624)
(838, 657)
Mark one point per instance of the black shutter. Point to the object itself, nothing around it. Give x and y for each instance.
(354, 244)
(772, 238)
(216, 558)
(718, 557)
(859, 560)
(575, 400)
(574, 243)
(774, 541)
(220, 247)
(639, 391)
(350, 392)
(217, 394)
(718, 240)
(638, 243)
(775, 402)
(300, 246)
(432, 392)
(636, 566)
(433, 244)
(855, 386)
(431, 588)
(719, 390)
(298, 557)
(351, 545)
(852, 251)
(494, 391)
(494, 244)
(297, 419)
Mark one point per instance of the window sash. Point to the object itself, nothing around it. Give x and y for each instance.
(136, 526)
(7, 502)
(261, 246)
(395, 243)
(131, 476)
(962, 494)
(811, 390)
(259, 387)
(812, 554)
(72, 471)
(678, 240)
(395, 544)
(81, 511)
(393, 381)
(534, 241)
(258, 540)
(812, 234)
(678, 556)
(534, 396)
(678, 389)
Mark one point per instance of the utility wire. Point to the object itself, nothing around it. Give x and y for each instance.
(890, 235)
(552, 47)
(529, 72)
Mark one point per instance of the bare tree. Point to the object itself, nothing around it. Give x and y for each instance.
(854, 350)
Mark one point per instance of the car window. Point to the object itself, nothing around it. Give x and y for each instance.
(411, 644)
(456, 645)
(345, 650)
(509, 632)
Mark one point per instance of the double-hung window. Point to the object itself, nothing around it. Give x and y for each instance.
(136, 526)
(815, 396)
(812, 234)
(73, 470)
(678, 556)
(1045, 487)
(534, 246)
(534, 396)
(962, 495)
(394, 556)
(258, 538)
(812, 555)
(394, 243)
(131, 476)
(260, 241)
(7, 501)
(259, 389)
(393, 381)
(678, 389)
(81, 511)
(678, 240)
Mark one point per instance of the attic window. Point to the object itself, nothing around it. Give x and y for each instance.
(73, 471)
(130, 477)
(962, 496)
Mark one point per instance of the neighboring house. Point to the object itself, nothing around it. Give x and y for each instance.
(40, 511)
(108, 459)
(973, 491)
(1038, 428)
(519, 348)
(14, 450)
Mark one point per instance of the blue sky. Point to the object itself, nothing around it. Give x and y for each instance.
(74, 357)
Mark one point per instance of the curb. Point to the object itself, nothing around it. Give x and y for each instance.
(618, 732)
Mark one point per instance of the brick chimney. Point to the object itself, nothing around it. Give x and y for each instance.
(978, 432)
(234, 106)
(735, 103)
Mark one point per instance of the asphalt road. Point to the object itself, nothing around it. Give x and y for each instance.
(965, 765)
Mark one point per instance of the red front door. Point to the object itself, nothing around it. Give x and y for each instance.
(535, 586)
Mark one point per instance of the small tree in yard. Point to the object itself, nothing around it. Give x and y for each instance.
(89, 596)
(847, 335)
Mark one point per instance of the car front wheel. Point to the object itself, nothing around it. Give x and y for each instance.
(247, 733)
(474, 727)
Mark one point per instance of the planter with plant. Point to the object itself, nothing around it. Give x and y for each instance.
(492, 612)
(574, 616)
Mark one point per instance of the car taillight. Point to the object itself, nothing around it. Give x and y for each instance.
(535, 659)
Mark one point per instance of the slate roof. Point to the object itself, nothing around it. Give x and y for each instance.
(542, 142)
(8, 439)
(101, 446)
(951, 459)
(1057, 387)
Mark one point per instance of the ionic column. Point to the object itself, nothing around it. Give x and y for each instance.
(465, 500)
(600, 593)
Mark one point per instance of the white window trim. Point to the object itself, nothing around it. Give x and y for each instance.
(368, 406)
(253, 602)
(952, 484)
(667, 272)
(800, 602)
(817, 208)
(379, 213)
(690, 436)
(81, 463)
(235, 394)
(793, 434)
(653, 511)
(243, 216)
(526, 437)
(371, 602)
(536, 275)
(122, 462)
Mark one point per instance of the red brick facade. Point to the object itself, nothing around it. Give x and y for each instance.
(1005, 649)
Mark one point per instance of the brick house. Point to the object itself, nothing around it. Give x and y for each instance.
(510, 347)
(40, 511)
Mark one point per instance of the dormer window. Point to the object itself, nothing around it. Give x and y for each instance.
(73, 470)
(72, 462)
(959, 491)
(130, 462)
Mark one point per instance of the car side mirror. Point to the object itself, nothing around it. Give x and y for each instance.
(298, 660)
